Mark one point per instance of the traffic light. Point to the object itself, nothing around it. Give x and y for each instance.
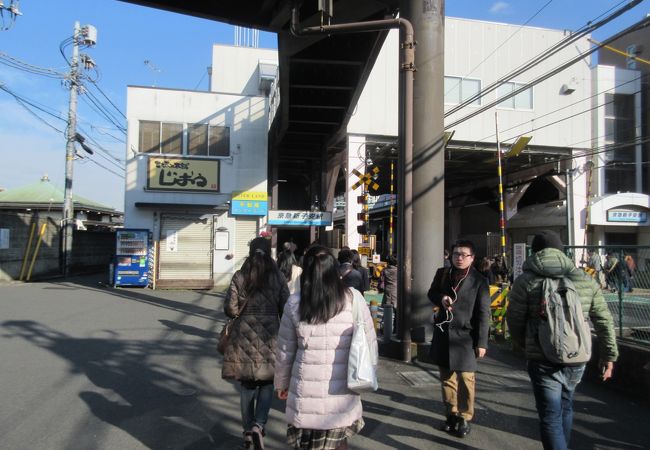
(361, 199)
(361, 216)
(362, 230)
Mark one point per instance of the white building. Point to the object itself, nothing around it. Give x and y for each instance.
(555, 113)
(196, 168)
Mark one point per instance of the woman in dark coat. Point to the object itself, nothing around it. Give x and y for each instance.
(258, 292)
(460, 334)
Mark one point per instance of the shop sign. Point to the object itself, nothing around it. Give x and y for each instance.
(627, 216)
(300, 218)
(183, 174)
(518, 258)
(249, 203)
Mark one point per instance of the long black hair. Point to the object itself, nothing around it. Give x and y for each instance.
(259, 266)
(322, 293)
(286, 261)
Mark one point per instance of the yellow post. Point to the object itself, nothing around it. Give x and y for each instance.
(26, 256)
(38, 245)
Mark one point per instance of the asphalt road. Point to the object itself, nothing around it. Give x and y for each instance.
(91, 367)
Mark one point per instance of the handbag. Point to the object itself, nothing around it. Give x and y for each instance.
(224, 336)
(362, 361)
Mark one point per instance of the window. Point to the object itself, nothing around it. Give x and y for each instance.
(171, 138)
(149, 137)
(198, 139)
(459, 89)
(167, 138)
(523, 100)
(620, 168)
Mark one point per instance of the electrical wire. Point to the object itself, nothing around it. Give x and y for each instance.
(542, 57)
(26, 105)
(16, 63)
(499, 46)
(107, 98)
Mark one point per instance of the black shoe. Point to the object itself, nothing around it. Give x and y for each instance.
(463, 428)
(257, 433)
(450, 424)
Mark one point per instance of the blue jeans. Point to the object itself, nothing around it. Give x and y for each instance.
(553, 387)
(255, 403)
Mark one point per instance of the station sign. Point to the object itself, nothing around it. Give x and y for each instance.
(300, 218)
(619, 215)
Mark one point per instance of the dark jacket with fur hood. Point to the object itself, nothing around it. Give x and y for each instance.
(250, 355)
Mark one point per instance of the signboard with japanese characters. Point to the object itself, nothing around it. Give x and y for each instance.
(518, 258)
(183, 174)
(300, 218)
(249, 203)
(626, 216)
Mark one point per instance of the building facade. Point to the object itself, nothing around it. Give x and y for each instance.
(196, 169)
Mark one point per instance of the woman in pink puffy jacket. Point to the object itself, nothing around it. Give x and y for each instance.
(312, 357)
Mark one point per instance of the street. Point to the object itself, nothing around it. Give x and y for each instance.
(85, 366)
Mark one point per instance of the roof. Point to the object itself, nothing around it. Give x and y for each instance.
(44, 193)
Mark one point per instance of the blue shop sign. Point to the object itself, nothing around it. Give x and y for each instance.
(627, 216)
(248, 207)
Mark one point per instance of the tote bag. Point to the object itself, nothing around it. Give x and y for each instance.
(362, 362)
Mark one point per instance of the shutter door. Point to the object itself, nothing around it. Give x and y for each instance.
(245, 231)
(185, 252)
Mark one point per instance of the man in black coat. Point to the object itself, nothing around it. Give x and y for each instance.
(460, 334)
(349, 275)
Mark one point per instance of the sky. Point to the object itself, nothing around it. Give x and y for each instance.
(178, 51)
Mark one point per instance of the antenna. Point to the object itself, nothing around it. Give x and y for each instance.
(154, 69)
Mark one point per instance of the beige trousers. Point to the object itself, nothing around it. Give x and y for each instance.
(458, 393)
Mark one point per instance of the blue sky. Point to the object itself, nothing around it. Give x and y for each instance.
(179, 47)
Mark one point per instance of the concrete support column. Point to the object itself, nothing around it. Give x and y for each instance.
(427, 17)
(356, 148)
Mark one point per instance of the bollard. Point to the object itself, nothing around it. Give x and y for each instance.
(388, 322)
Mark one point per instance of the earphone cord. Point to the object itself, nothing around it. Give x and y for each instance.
(449, 315)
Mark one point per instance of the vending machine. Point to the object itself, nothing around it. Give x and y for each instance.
(131, 266)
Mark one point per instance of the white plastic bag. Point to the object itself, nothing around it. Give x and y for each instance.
(362, 363)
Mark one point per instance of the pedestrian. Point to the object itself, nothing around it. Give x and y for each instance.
(311, 364)
(554, 384)
(351, 277)
(445, 262)
(485, 269)
(388, 284)
(594, 263)
(365, 277)
(289, 267)
(630, 265)
(615, 273)
(257, 294)
(460, 334)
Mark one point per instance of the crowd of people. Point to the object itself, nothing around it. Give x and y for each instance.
(294, 325)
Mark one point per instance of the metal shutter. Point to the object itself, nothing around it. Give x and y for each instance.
(245, 231)
(190, 256)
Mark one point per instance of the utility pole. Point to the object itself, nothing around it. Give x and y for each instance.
(86, 36)
(68, 207)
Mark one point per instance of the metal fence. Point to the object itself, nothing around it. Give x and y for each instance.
(624, 275)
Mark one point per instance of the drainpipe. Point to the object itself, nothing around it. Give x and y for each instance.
(405, 172)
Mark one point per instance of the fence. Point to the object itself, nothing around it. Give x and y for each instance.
(624, 274)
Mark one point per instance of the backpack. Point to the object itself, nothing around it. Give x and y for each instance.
(564, 334)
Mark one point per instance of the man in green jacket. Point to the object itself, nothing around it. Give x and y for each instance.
(554, 385)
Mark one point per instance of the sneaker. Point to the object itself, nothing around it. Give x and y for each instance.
(449, 425)
(248, 440)
(463, 428)
(258, 437)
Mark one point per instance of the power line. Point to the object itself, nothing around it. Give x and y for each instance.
(24, 103)
(107, 98)
(547, 75)
(30, 68)
(500, 45)
(542, 57)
